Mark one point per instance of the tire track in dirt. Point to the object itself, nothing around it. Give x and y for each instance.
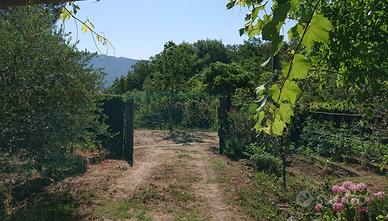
(216, 202)
(169, 181)
(147, 160)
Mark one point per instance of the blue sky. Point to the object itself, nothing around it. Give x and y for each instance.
(139, 29)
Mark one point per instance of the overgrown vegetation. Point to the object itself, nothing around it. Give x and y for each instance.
(48, 99)
(324, 99)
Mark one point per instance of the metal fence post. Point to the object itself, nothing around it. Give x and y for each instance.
(128, 132)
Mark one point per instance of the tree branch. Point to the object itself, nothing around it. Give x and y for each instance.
(13, 3)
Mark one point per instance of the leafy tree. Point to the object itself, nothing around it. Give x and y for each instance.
(173, 68)
(210, 51)
(119, 85)
(48, 97)
(223, 80)
(281, 90)
(134, 80)
(337, 40)
(251, 55)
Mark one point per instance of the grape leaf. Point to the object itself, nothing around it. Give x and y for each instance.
(318, 31)
(289, 92)
(300, 67)
(286, 112)
(274, 91)
(278, 126)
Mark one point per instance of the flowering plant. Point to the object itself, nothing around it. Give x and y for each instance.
(353, 201)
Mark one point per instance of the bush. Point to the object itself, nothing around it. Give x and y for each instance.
(264, 161)
(48, 94)
(353, 201)
(189, 111)
(240, 134)
(339, 142)
(199, 113)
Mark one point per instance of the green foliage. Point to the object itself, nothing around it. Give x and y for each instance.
(192, 110)
(240, 134)
(134, 80)
(311, 27)
(341, 142)
(58, 206)
(48, 96)
(359, 57)
(173, 68)
(160, 104)
(264, 197)
(250, 56)
(263, 160)
(223, 79)
(209, 52)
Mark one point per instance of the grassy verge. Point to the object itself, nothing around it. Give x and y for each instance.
(266, 198)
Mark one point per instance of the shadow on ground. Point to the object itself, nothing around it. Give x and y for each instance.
(185, 137)
(55, 206)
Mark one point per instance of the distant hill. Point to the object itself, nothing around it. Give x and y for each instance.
(114, 67)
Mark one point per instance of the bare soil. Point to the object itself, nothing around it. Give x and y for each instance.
(174, 177)
(179, 176)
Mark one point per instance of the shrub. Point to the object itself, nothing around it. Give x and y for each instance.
(190, 110)
(48, 93)
(263, 160)
(339, 142)
(353, 201)
(240, 134)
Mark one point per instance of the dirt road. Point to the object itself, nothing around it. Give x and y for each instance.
(175, 177)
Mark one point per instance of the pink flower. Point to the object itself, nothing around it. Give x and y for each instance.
(336, 189)
(363, 209)
(362, 186)
(347, 184)
(318, 207)
(379, 195)
(369, 200)
(359, 187)
(354, 201)
(337, 207)
(347, 196)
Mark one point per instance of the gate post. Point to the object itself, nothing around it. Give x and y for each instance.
(225, 106)
(128, 132)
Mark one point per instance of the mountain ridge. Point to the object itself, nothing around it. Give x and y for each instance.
(114, 67)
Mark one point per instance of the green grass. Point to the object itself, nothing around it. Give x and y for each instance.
(194, 178)
(141, 215)
(220, 179)
(190, 215)
(262, 197)
(180, 194)
(219, 165)
(120, 209)
(184, 155)
(59, 207)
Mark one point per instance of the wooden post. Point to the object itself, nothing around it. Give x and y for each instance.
(128, 132)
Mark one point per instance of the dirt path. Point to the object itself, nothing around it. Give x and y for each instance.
(176, 177)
